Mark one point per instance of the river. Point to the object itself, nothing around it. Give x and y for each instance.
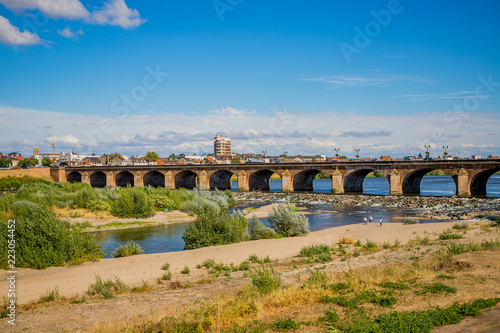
(168, 238)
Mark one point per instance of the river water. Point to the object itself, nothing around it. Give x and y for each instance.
(168, 238)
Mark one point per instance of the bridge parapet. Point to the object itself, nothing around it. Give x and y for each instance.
(470, 176)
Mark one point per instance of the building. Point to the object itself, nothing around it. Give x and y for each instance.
(222, 146)
(476, 157)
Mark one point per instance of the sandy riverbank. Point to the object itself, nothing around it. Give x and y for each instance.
(133, 270)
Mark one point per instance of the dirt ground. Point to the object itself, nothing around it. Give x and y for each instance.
(480, 280)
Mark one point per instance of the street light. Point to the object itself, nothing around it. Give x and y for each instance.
(445, 152)
(357, 153)
(427, 154)
(337, 152)
(264, 153)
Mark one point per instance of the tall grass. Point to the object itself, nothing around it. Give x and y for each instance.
(258, 230)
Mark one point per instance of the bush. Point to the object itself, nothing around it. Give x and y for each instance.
(132, 202)
(497, 221)
(448, 234)
(214, 228)
(107, 288)
(410, 221)
(346, 240)
(288, 223)
(186, 270)
(311, 251)
(266, 280)
(129, 249)
(258, 230)
(43, 241)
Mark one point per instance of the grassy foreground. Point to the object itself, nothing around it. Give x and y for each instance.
(345, 286)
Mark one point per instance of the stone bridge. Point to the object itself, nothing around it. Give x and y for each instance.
(404, 177)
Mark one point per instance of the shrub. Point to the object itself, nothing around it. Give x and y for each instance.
(288, 223)
(43, 241)
(129, 249)
(165, 266)
(437, 288)
(410, 221)
(166, 276)
(266, 280)
(448, 234)
(50, 296)
(346, 240)
(107, 288)
(461, 226)
(285, 325)
(211, 228)
(497, 221)
(186, 270)
(198, 205)
(132, 202)
(311, 251)
(258, 230)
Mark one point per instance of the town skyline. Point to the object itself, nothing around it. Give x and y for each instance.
(129, 76)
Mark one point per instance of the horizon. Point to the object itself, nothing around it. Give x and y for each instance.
(129, 76)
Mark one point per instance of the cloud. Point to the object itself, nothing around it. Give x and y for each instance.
(366, 81)
(357, 134)
(117, 13)
(298, 133)
(69, 9)
(113, 12)
(66, 32)
(455, 95)
(231, 111)
(10, 34)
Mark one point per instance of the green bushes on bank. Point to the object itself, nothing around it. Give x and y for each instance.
(132, 202)
(214, 227)
(9, 183)
(288, 223)
(42, 240)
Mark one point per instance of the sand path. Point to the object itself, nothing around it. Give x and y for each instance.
(73, 280)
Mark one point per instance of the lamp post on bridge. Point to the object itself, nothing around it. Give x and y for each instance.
(357, 153)
(445, 152)
(427, 154)
(337, 153)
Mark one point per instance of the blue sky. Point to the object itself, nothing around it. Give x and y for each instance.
(383, 76)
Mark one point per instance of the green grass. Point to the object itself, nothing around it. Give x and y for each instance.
(448, 234)
(107, 288)
(50, 296)
(265, 279)
(436, 288)
(253, 258)
(313, 250)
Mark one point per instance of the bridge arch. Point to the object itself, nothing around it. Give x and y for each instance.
(124, 178)
(185, 179)
(412, 181)
(353, 181)
(98, 179)
(154, 179)
(221, 180)
(479, 181)
(260, 180)
(304, 180)
(74, 177)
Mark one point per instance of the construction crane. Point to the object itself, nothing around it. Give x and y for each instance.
(53, 151)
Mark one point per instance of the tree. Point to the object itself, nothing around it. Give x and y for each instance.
(27, 162)
(234, 160)
(46, 162)
(153, 155)
(173, 157)
(343, 157)
(5, 163)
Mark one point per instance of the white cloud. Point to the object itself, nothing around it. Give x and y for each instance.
(231, 111)
(10, 34)
(297, 133)
(366, 81)
(454, 95)
(70, 9)
(66, 32)
(117, 13)
(112, 12)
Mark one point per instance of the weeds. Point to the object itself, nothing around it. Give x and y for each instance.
(50, 296)
(266, 280)
(186, 270)
(436, 288)
(448, 234)
(165, 266)
(410, 221)
(108, 287)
